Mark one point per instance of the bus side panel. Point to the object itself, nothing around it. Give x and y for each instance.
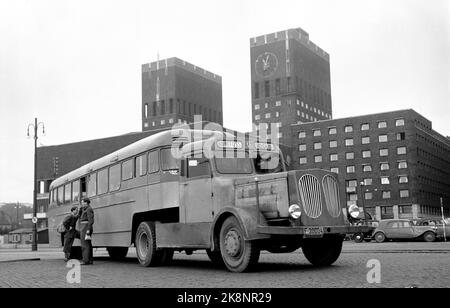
(113, 216)
(183, 235)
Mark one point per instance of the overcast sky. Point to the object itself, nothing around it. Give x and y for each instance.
(76, 65)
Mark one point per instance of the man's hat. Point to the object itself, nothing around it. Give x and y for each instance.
(87, 200)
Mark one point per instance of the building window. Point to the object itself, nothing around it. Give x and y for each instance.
(303, 160)
(318, 158)
(171, 121)
(280, 135)
(365, 126)
(256, 90)
(382, 138)
(400, 122)
(365, 140)
(404, 193)
(332, 131)
(366, 154)
(334, 169)
(403, 179)
(277, 86)
(350, 169)
(146, 111)
(317, 145)
(400, 136)
(367, 182)
(348, 128)
(384, 166)
(267, 115)
(278, 103)
(367, 168)
(257, 117)
(302, 147)
(351, 183)
(333, 143)
(382, 124)
(402, 165)
(256, 106)
(368, 196)
(171, 105)
(277, 114)
(333, 157)
(401, 150)
(386, 194)
(266, 89)
(349, 155)
(266, 105)
(405, 209)
(384, 152)
(349, 142)
(163, 107)
(317, 133)
(301, 135)
(385, 180)
(163, 122)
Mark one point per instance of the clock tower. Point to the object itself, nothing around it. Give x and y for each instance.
(290, 81)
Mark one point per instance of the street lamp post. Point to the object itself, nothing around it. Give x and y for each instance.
(35, 128)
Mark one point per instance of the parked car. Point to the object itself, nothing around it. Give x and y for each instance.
(367, 236)
(443, 226)
(403, 229)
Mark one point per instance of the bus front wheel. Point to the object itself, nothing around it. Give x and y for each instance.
(238, 254)
(324, 251)
(145, 242)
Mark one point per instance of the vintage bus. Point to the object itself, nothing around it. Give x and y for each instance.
(233, 207)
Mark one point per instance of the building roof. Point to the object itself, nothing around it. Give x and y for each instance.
(26, 230)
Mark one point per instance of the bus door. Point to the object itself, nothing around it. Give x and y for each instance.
(196, 191)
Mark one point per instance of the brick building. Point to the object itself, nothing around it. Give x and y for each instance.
(393, 163)
(174, 90)
(290, 80)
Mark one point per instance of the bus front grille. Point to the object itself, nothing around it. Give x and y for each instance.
(310, 194)
(331, 193)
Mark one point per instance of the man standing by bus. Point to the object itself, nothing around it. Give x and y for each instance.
(86, 223)
(71, 233)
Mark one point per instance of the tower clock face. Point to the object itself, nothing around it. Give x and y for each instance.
(266, 64)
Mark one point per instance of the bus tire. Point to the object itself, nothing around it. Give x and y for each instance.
(238, 254)
(117, 253)
(215, 257)
(324, 251)
(145, 242)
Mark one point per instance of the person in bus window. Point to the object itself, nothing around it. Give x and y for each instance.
(70, 234)
(86, 222)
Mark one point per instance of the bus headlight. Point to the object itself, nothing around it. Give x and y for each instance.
(294, 211)
(353, 210)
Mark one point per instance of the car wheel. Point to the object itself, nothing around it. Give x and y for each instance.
(429, 236)
(380, 237)
(358, 238)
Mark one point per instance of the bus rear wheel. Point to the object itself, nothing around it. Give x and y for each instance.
(238, 254)
(117, 253)
(145, 242)
(324, 251)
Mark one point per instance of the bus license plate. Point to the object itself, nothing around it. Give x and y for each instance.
(313, 232)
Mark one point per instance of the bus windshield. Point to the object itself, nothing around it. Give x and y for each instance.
(268, 163)
(234, 165)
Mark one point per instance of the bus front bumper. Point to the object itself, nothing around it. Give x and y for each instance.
(313, 231)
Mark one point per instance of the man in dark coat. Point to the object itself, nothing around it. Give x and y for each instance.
(71, 233)
(86, 222)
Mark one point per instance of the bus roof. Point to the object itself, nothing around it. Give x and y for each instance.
(165, 138)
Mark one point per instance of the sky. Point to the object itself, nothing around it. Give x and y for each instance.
(76, 65)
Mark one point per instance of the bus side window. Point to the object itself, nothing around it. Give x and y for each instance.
(168, 161)
(140, 165)
(60, 195)
(83, 188)
(153, 161)
(198, 167)
(92, 185)
(76, 191)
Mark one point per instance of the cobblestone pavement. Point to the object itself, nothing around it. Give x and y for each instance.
(402, 265)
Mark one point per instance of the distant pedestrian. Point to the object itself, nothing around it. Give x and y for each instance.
(70, 233)
(86, 222)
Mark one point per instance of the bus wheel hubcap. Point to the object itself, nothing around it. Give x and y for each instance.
(232, 243)
(143, 245)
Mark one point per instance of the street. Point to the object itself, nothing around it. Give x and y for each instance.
(401, 264)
